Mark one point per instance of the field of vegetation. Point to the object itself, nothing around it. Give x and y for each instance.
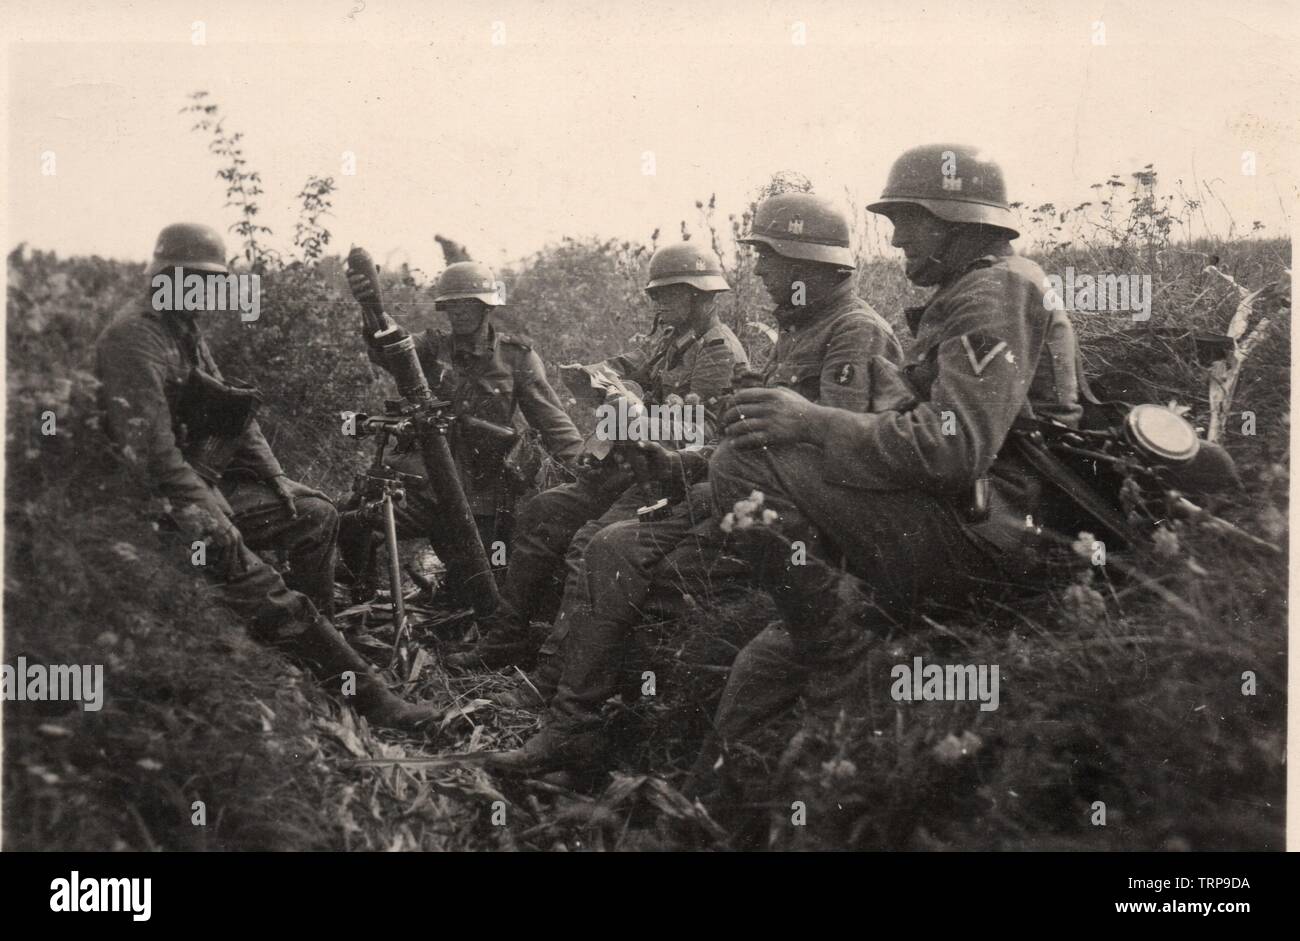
(1122, 687)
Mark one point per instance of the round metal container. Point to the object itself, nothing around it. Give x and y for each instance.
(1161, 434)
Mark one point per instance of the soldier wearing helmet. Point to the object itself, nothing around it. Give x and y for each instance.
(832, 349)
(487, 375)
(922, 501)
(191, 434)
(690, 352)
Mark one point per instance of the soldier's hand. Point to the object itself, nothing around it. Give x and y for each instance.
(281, 490)
(602, 476)
(760, 418)
(287, 490)
(360, 286)
(228, 542)
(587, 467)
(657, 462)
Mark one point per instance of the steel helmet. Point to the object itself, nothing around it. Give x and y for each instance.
(191, 246)
(468, 279)
(686, 263)
(799, 225)
(953, 181)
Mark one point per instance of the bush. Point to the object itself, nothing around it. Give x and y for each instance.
(1112, 694)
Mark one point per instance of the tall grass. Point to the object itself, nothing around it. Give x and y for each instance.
(1110, 694)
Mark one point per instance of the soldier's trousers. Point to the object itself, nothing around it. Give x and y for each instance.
(278, 606)
(552, 532)
(908, 548)
(607, 592)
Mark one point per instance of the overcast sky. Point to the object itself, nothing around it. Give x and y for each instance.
(507, 145)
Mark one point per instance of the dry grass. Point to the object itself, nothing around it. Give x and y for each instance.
(1109, 693)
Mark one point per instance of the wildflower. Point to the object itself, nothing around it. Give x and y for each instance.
(1165, 543)
(1273, 522)
(742, 515)
(953, 749)
(838, 768)
(1083, 604)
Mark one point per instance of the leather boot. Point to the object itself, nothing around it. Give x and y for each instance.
(564, 743)
(525, 696)
(330, 655)
(572, 735)
(546, 678)
(826, 611)
(504, 640)
(766, 679)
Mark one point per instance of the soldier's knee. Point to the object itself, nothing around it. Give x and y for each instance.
(612, 545)
(772, 647)
(321, 516)
(542, 511)
(581, 538)
(735, 472)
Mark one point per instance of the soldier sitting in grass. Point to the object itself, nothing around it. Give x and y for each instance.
(160, 389)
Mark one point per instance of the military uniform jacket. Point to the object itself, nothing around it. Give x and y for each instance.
(988, 348)
(671, 365)
(837, 352)
(502, 381)
(138, 358)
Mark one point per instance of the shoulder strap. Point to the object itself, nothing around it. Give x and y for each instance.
(1085, 389)
(518, 342)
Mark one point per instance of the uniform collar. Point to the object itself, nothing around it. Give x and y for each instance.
(714, 330)
(481, 348)
(184, 330)
(973, 255)
(988, 255)
(177, 323)
(914, 315)
(798, 317)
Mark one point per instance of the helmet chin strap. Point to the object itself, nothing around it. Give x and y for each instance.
(818, 283)
(703, 307)
(935, 265)
(480, 329)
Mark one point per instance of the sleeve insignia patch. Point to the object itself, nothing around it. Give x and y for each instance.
(980, 350)
(845, 375)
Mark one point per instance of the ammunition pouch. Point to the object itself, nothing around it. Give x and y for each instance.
(491, 451)
(522, 462)
(212, 415)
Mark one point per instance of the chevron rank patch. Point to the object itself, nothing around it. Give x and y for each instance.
(980, 350)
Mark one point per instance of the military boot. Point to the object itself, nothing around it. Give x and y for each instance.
(825, 610)
(564, 743)
(837, 656)
(505, 639)
(330, 655)
(765, 680)
(525, 696)
(550, 663)
(541, 683)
